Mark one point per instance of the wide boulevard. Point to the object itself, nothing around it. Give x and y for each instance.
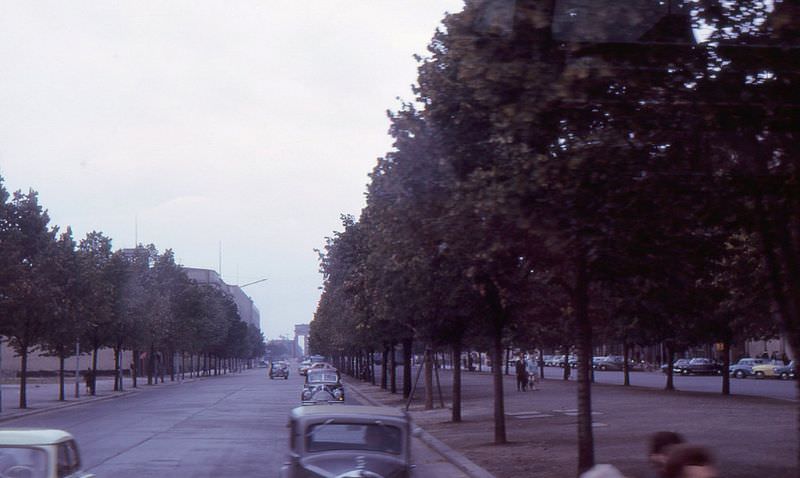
(226, 426)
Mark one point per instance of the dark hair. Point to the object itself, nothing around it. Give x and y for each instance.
(660, 440)
(683, 455)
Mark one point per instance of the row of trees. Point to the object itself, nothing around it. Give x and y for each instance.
(56, 293)
(558, 188)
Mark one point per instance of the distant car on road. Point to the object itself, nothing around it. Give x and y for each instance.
(348, 441)
(39, 453)
(316, 358)
(677, 366)
(303, 367)
(322, 386)
(279, 369)
(744, 367)
(321, 366)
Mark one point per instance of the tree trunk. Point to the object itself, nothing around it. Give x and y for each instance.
(371, 363)
(61, 386)
(117, 376)
(94, 371)
(670, 360)
(392, 369)
(497, 374)
(456, 416)
(726, 364)
(23, 378)
(567, 369)
(384, 367)
(407, 344)
(626, 370)
(541, 364)
(428, 362)
(151, 365)
(135, 368)
(585, 436)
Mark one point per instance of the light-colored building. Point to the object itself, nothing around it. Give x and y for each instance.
(244, 304)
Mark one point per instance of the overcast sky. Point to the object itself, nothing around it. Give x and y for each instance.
(250, 123)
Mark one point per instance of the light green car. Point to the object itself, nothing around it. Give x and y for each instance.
(39, 453)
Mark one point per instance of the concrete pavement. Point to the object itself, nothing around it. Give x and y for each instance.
(136, 456)
(751, 436)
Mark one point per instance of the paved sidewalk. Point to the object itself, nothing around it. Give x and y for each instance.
(42, 394)
(751, 436)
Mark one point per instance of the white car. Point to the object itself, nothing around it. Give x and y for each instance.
(303, 367)
(39, 453)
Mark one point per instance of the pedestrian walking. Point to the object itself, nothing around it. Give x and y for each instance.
(532, 373)
(522, 380)
(89, 377)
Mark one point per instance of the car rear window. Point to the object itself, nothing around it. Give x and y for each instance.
(23, 461)
(354, 436)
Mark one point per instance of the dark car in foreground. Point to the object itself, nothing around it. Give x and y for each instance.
(348, 441)
(322, 386)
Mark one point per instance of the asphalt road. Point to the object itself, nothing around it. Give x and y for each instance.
(772, 388)
(225, 426)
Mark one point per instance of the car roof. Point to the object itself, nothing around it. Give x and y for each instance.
(343, 411)
(32, 436)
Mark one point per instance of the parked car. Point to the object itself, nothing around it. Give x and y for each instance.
(677, 366)
(279, 369)
(322, 386)
(39, 453)
(555, 361)
(744, 367)
(768, 370)
(701, 366)
(348, 441)
(610, 362)
(787, 371)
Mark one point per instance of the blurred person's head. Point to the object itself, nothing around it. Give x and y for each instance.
(689, 461)
(659, 442)
(657, 452)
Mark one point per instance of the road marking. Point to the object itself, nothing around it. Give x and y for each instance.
(520, 416)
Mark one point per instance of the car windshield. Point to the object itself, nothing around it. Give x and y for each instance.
(354, 436)
(23, 462)
(322, 377)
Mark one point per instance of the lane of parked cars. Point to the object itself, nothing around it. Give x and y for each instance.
(744, 368)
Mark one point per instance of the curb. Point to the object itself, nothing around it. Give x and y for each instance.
(39, 411)
(456, 458)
